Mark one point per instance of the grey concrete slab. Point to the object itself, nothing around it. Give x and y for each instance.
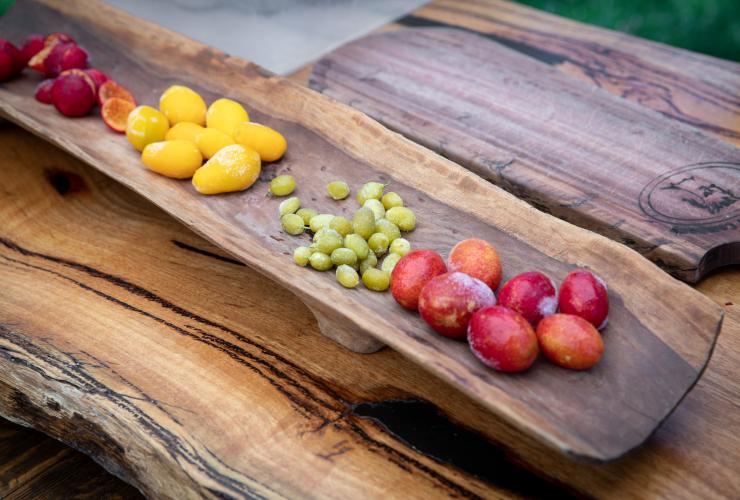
(281, 35)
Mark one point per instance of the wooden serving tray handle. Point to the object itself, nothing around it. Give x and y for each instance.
(656, 348)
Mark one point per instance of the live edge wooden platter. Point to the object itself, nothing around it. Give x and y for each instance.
(573, 150)
(661, 331)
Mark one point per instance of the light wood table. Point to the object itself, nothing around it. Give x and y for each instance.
(81, 256)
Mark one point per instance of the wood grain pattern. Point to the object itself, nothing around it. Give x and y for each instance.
(583, 155)
(688, 87)
(308, 426)
(34, 466)
(656, 351)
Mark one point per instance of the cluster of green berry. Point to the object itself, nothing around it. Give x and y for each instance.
(353, 246)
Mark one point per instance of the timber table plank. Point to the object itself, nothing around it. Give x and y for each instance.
(308, 430)
(567, 147)
(656, 351)
(691, 454)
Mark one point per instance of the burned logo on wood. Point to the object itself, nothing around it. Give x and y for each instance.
(700, 198)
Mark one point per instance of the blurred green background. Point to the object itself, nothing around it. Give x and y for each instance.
(708, 26)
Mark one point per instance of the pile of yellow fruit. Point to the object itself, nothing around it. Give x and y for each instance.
(176, 138)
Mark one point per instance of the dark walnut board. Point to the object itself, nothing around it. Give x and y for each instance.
(656, 349)
(569, 148)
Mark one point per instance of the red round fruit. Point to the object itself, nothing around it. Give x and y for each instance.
(532, 294)
(584, 294)
(10, 58)
(31, 47)
(477, 258)
(64, 56)
(448, 301)
(72, 94)
(43, 91)
(502, 339)
(58, 38)
(411, 273)
(98, 77)
(570, 341)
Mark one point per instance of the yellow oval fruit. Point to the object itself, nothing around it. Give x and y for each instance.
(146, 125)
(269, 143)
(225, 115)
(178, 159)
(184, 130)
(211, 140)
(181, 104)
(233, 168)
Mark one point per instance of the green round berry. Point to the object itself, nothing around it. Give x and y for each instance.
(400, 246)
(376, 280)
(289, 206)
(363, 222)
(338, 190)
(403, 217)
(292, 224)
(343, 256)
(370, 262)
(357, 244)
(390, 262)
(370, 191)
(318, 222)
(389, 229)
(282, 185)
(378, 243)
(391, 200)
(301, 255)
(320, 261)
(342, 225)
(347, 276)
(306, 214)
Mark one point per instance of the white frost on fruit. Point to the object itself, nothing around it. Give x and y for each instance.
(547, 306)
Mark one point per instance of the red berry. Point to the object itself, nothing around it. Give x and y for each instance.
(448, 301)
(477, 258)
(64, 56)
(570, 341)
(31, 47)
(10, 58)
(531, 294)
(98, 77)
(43, 91)
(502, 339)
(584, 294)
(73, 94)
(411, 273)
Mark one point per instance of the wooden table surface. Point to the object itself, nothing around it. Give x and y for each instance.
(78, 242)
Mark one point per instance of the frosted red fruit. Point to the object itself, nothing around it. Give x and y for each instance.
(531, 294)
(98, 77)
(570, 341)
(43, 91)
(9, 60)
(448, 301)
(477, 258)
(584, 294)
(73, 94)
(64, 56)
(502, 339)
(37, 61)
(31, 46)
(411, 273)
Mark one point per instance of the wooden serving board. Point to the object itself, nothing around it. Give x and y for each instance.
(582, 154)
(655, 349)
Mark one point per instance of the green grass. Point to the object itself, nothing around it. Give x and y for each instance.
(708, 26)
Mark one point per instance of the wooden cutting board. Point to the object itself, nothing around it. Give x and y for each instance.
(582, 154)
(655, 349)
